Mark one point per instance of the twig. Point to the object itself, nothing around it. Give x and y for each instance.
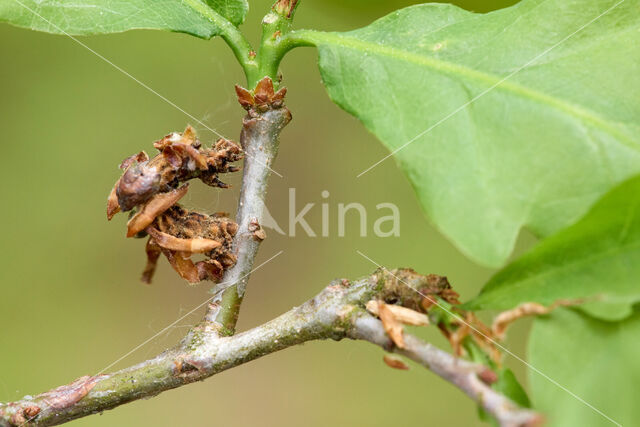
(337, 312)
(259, 139)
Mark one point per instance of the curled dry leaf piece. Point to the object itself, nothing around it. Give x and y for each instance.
(402, 314)
(181, 159)
(152, 187)
(113, 207)
(153, 208)
(456, 337)
(195, 245)
(395, 362)
(391, 325)
(136, 158)
(178, 233)
(504, 319)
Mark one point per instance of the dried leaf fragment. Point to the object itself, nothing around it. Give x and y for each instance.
(402, 314)
(195, 245)
(136, 158)
(154, 207)
(113, 207)
(504, 319)
(395, 362)
(457, 337)
(391, 325)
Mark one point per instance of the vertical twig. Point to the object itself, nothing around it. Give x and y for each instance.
(259, 139)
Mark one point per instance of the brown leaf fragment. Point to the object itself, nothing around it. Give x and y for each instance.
(113, 207)
(183, 266)
(450, 296)
(428, 302)
(391, 325)
(402, 314)
(395, 362)
(68, 395)
(195, 245)
(136, 158)
(176, 153)
(153, 253)
(231, 227)
(172, 156)
(189, 136)
(154, 207)
(504, 319)
(457, 337)
(436, 283)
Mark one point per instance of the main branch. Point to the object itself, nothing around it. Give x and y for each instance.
(337, 312)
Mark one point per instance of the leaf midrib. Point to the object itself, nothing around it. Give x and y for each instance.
(446, 67)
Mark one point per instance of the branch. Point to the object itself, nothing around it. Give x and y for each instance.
(259, 139)
(337, 312)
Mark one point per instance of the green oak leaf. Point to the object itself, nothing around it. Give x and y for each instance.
(85, 17)
(593, 359)
(522, 117)
(233, 10)
(597, 258)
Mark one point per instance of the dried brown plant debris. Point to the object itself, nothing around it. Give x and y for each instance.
(395, 362)
(391, 324)
(151, 188)
(178, 234)
(404, 315)
(181, 159)
(504, 319)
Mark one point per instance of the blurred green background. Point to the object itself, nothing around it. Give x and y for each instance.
(71, 301)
